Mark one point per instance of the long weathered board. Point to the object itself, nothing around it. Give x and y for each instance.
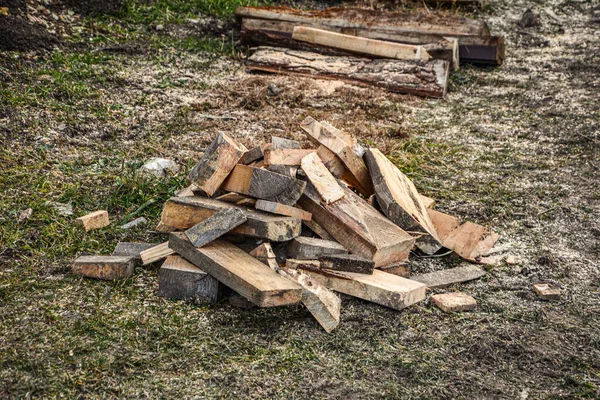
(380, 287)
(215, 226)
(216, 163)
(428, 79)
(184, 212)
(240, 271)
(264, 184)
(359, 227)
(399, 200)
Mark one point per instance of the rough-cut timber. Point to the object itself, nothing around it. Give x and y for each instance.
(308, 248)
(264, 184)
(322, 303)
(428, 79)
(318, 229)
(95, 220)
(374, 20)
(265, 254)
(132, 250)
(279, 143)
(104, 267)
(231, 197)
(363, 46)
(470, 241)
(473, 45)
(216, 163)
(400, 269)
(292, 263)
(546, 292)
(359, 227)
(215, 226)
(282, 209)
(240, 271)
(398, 199)
(451, 276)
(320, 177)
(323, 135)
(381, 288)
(156, 253)
(428, 202)
(185, 212)
(287, 170)
(286, 156)
(454, 302)
(252, 155)
(347, 263)
(179, 279)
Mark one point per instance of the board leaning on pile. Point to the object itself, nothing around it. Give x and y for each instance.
(239, 226)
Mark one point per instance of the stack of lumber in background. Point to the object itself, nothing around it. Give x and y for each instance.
(280, 224)
(401, 52)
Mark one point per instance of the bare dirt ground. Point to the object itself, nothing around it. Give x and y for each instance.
(514, 148)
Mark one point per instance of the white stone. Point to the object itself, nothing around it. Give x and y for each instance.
(159, 168)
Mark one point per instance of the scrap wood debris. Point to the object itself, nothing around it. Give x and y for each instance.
(403, 52)
(341, 219)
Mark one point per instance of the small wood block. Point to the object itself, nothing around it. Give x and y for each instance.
(104, 267)
(238, 301)
(292, 263)
(156, 253)
(286, 156)
(282, 209)
(381, 288)
(247, 202)
(181, 213)
(321, 178)
(179, 279)
(252, 155)
(347, 263)
(217, 162)
(188, 191)
(307, 248)
(447, 277)
(132, 250)
(399, 200)
(399, 269)
(318, 229)
(238, 270)
(263, 184)
(263, 252)
(454, 302)
(231, 198)
(428, 202)
(546, 292)
(322, 303)
(354, 164)
(95, 220)
(215, 226)
(283, 143)
(287, 170)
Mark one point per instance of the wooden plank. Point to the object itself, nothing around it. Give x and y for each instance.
(446, 49)
(354, 164)
(380, 288)
(398, 199)
(359, 227)
(183, 213)
(347, 263)
(320, 177)
(347, 19)
(443, 223)
(447, 277)
(287, 170)
(215, 226)
(132, 250)
(359, 45)
(179, 279)
(95, 220)
(407, 77)
(286, 156)
(322, 303)
(292, 263)
(264, 184)
(400, 269)
(318, 229)
(156, 253)
(255, 153)
(282, 209)
(231, 197)
(216, 163)
(307, 248)
(332, 162)
(428, 202)
(240, 271)
(279, 143)
(104, 267)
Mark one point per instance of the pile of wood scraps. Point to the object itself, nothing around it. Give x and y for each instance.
(401, 52)
(288, 222)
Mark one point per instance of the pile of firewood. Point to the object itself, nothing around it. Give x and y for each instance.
(280, 224)
(401, 52)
